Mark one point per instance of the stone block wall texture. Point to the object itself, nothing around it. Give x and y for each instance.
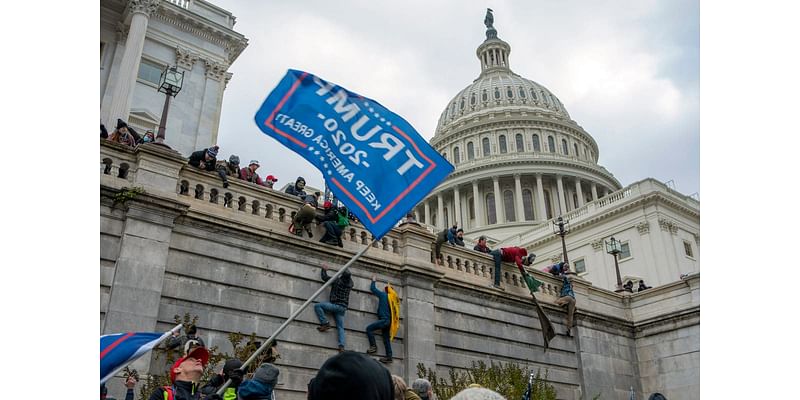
(165, 253)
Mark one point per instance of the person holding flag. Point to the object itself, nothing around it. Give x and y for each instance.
(383, 323)
(518, 255)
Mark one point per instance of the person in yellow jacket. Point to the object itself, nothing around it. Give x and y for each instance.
(383, 323)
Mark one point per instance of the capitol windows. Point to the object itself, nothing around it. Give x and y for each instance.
(551, 143)
(503, 145)
(485, 96)
(625, 252)
(509, 93)
(150, 72)
(491, 212)
(472, 99)
(527, 204)
(521, 92)
(564, 146)
(471, 204)
(470, 151)
(536, 145)
(687, 249)
(496, 94)
(446, 220)
(486, 150)
(580, 266)
(520, 144)
(575, 146)
(462, 104)
(456, 155)
(548, 207)
(533, 94)
(508, 205)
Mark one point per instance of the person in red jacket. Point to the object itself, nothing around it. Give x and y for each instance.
(508, 254)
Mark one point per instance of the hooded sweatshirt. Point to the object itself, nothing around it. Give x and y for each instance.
(352, 376)
(294, 190)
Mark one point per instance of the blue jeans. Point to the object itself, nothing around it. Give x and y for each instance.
(498, 259)
(338, 316)
(383, 325)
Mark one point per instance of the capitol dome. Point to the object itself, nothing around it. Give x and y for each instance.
(520, 160)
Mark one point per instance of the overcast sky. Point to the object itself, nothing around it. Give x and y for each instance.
(627, 71)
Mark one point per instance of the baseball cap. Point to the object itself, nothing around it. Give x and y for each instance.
(200, 353)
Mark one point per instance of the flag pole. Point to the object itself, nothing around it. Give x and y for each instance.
(296, 313)
(163, 337)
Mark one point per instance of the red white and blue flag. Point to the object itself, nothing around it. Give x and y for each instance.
(120, 349)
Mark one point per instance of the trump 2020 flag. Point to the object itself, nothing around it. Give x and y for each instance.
(120, 349)
(371, 158)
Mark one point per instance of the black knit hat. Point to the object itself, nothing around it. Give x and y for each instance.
(353, 376)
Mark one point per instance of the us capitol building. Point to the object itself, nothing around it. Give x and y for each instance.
(521, 162)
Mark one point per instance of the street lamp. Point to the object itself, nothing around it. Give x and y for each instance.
(561, 228)
(170, 84)
(614, 247)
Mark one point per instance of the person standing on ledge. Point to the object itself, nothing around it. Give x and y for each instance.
(518, 255)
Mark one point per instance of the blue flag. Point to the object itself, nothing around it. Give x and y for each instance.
(372, 159)
(120, 349)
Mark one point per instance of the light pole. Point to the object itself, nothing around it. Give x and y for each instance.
(170, 84)
(561, 228)
(614, 247)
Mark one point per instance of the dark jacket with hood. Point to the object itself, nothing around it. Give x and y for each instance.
(200, 156)
(182, 390)
(294, 190)
(352, 376)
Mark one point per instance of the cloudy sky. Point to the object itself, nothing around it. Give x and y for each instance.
(627, 71)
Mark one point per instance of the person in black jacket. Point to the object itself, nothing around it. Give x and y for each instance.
(298, 188)
(481, 246)
(330, 221)
(176, 340)
(205, 159)
(340, 297)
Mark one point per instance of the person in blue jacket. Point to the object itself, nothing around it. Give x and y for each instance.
(383, 323)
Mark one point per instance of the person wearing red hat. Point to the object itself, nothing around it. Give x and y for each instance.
(330, 221)
(184, 375)
(271, 180)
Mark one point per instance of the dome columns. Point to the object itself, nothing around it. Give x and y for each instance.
(520, 208)
(478, 202)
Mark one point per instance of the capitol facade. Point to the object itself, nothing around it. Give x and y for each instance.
(521, 162)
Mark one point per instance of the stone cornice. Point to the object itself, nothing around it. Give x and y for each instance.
(650, 198)
(233, 42)
(215, 70)
(146, 7)
(185, 58)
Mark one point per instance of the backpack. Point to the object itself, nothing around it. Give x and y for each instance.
(342, 220)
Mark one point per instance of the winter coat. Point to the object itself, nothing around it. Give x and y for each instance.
(254, 390)
(182, 390)
(294, 190)
(482, 249)
(383, 302)
(200, 156)
(127, 140)
(340, 289)
(515, 254)
(251, 177)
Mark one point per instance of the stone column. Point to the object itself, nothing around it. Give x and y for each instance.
(416, 215)
(540, 198)
(120, 107)
(419, 314)
(579, 191)
(520, 211)
(457, 208)
(140, 267)
(427, 212)
(478, 201)
(440, 211)
(498, 201)
(594, 191)
(561, 195)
